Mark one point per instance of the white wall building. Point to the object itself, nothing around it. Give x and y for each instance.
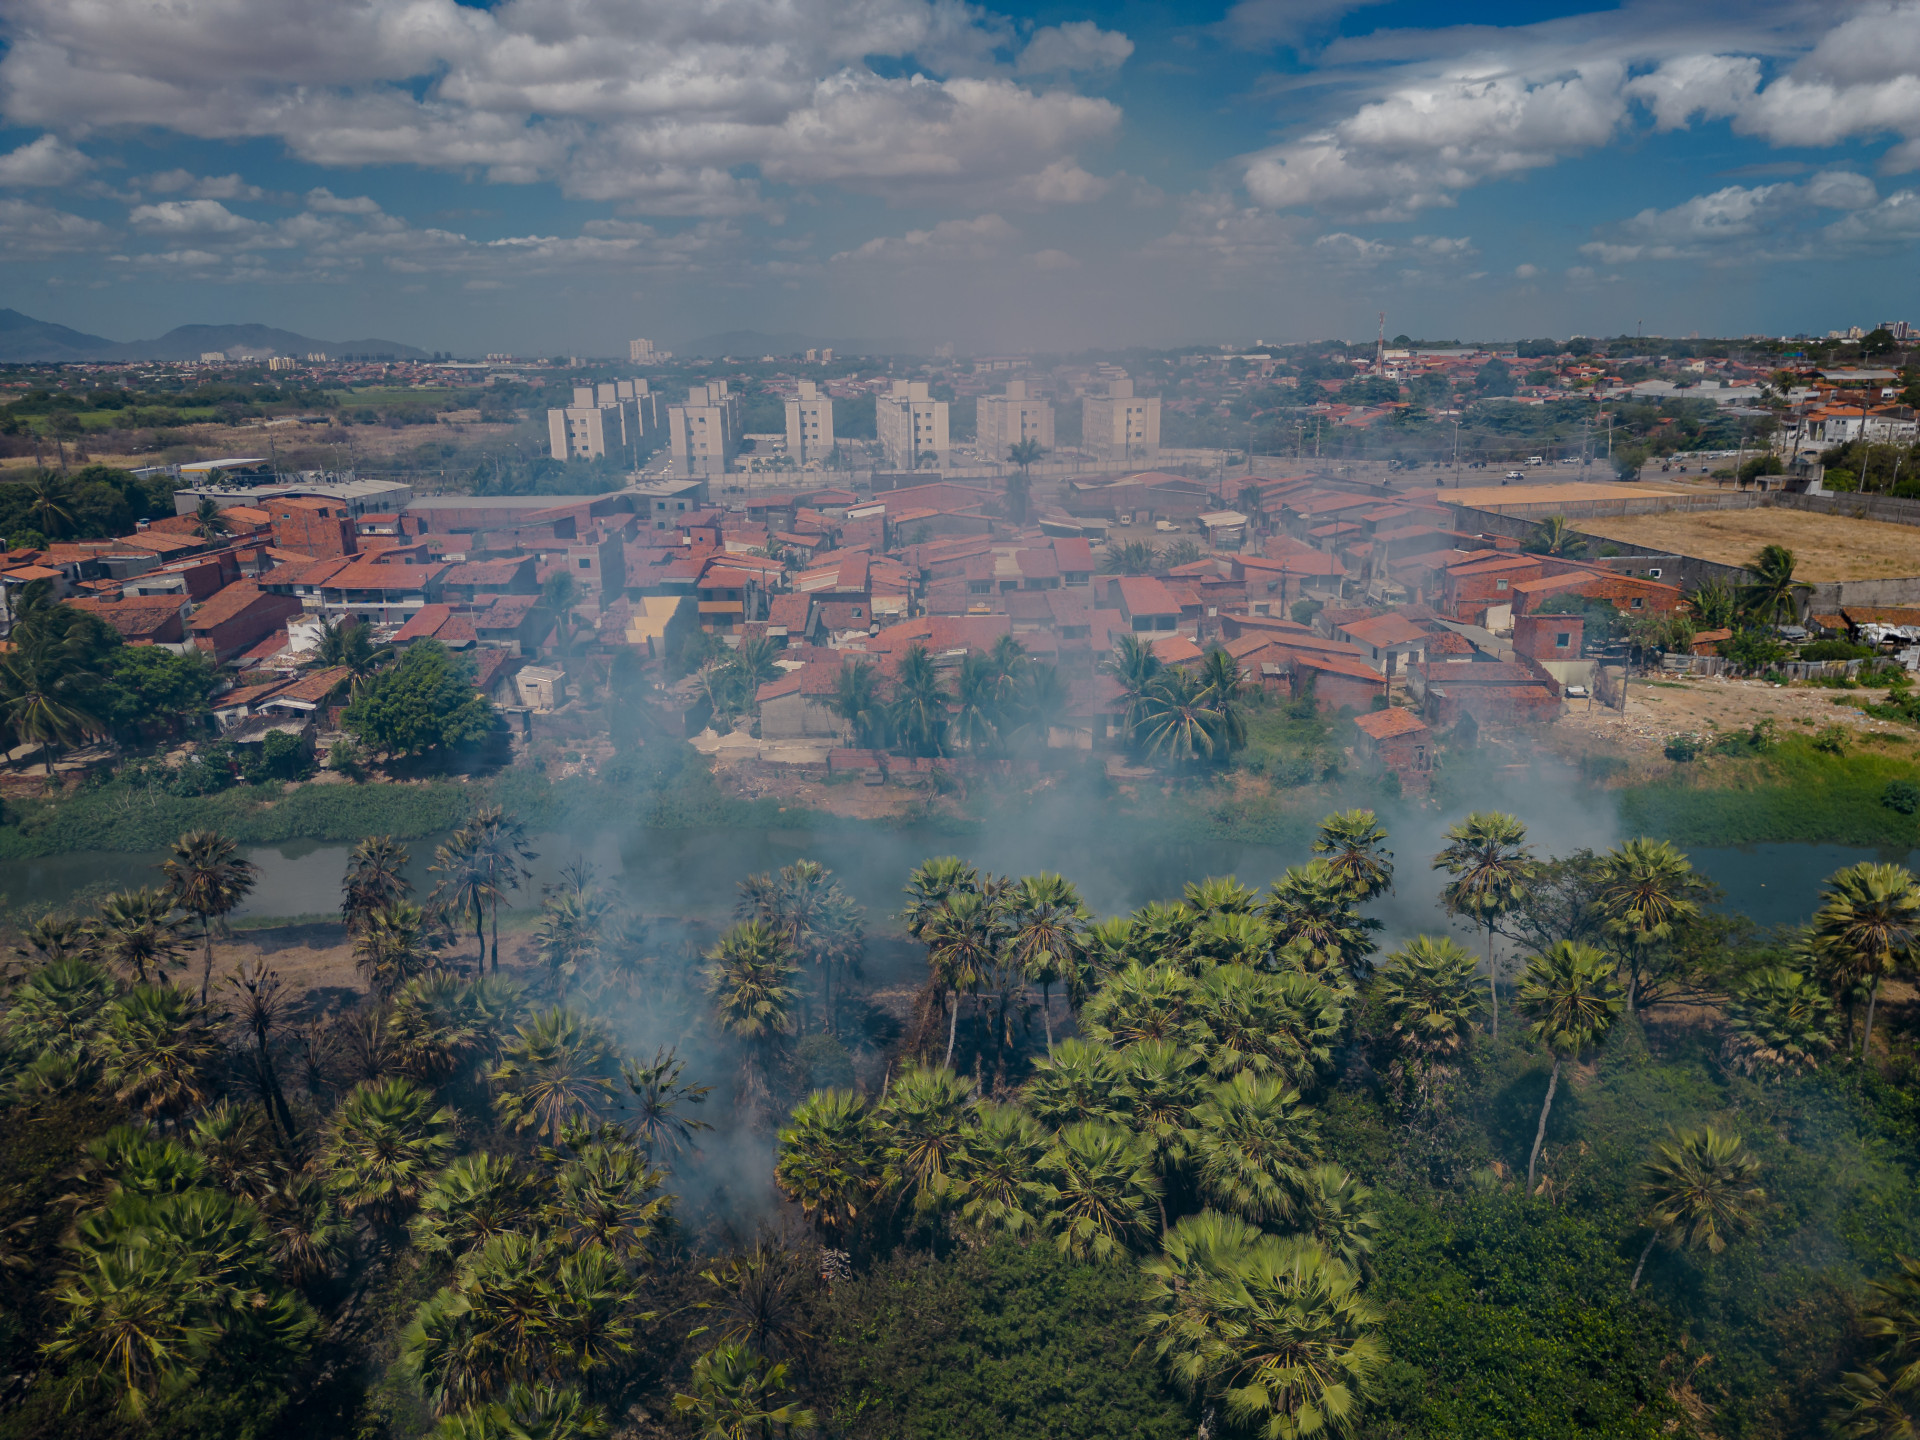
(810, 424)
(609, 419)
(1006, 420)
(910, 423)
(1120, 425)
(642, 352)
(704, 433)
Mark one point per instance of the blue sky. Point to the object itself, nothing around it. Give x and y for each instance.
(559, 175)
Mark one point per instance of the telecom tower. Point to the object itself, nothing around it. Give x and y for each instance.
(1380, 345)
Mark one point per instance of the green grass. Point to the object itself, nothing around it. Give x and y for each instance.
(1794, 793)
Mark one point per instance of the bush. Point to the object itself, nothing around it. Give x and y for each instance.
(1832, 739)
(1902, 796)
(1683, 748)
(1836, 650)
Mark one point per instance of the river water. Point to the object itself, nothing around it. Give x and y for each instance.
(693, 874)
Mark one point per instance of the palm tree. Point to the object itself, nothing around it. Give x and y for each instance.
(1046, 925)
(928, 886)
(759, 1299)
(462, 891)
(1133, 557)
(657, 1093)
(998, 1168)
(1492, 868)
(735, 1399)
(376, 877)
(1280, 1025)
(1646, 888)
(573, 921)
(1096, 1189)
(977, 709)
(1314, 923)
(829, 1159)
(1024, 453)
(1338, 1216)
(1700, 1191)
(918, 714)
(1223, 686)
(924, 1122)
(159, 1050)
(527, 1410)
(1868, 927)
(1891, 1316)
(47, 502)
(139, 930)
(608, 1200)
(1136, 667)
(1180, 721)
(1079, 1081)
(1160, 1085)
(1570, 994)
(1715, 605)
(385, 1144)
(1354, 843)
(471, 1201)
(1143, 1002)
(750, 976)
(1773, 592)
(856, 700)
(50, 686)
(1220, 896)
(1872, 1407)
(556, 1066)
(347, 646)
(1556, 537)
(257, 988)
(1426, 992)
(821, 922)
(963, 939)
(208, 522)
(209, 879)
(391, 947)
(60, 1007)
(1253, 1143)
(501, 853)
(1276, 1328)
(1781, 1022)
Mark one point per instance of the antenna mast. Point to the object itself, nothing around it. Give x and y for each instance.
(1380, 345)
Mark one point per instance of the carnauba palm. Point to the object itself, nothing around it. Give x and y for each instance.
(1780, 1022)
(829, 1161)
(556, 1066)
(385, 1143)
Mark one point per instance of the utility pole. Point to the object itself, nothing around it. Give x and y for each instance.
(1380, 345)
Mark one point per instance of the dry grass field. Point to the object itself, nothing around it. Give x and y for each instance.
(1827, 547)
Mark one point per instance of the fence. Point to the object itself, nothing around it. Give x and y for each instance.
(1790, 670)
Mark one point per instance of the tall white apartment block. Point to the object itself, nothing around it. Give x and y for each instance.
(809, 424)
(609, 418)
(642, 352)
(704, 433)
(910, 423)
(1120, 425)
(1006, 420)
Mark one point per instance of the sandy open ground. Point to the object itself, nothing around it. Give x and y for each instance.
(1826, 547)
(1659, 710)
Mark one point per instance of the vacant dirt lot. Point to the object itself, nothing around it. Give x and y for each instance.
(1827, 547)
(1657, 710)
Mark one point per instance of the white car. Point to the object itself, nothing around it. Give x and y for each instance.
(1515, 475)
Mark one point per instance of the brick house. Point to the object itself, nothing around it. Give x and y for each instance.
(156, 620)
(1549, 637)
(1398, 741)
(1338, 682)
(312, 526)
(1628, 593)
(795, 706)
(1389, 642)
(238, 618)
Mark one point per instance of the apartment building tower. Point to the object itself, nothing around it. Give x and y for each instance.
(703, 433)
(810, 424)
(642, 352)
(910, 423)
(1006, 420)
(607, 419)
(1120, 425)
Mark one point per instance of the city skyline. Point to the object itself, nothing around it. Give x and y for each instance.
(547, 179)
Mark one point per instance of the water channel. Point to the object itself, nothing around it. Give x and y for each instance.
(693, 873)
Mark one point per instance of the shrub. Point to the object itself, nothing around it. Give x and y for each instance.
(1832, 739)
(1683, 748)
(1902, 796)
(1835, 650)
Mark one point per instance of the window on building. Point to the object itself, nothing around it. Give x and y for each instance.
(1638, 603)
(1562, 639)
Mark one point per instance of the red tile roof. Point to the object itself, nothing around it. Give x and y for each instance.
(1383, 724)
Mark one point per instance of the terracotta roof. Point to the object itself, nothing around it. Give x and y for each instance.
(137, 616)
(1073, 553)
(222, 607)
(506, 612)
(312, 688)
(1384, 630)
(1143, 595)
(365, 575)
(1177, 650)
(487, 572)
(1382, 724)
(1037, 564)
(1336, 665)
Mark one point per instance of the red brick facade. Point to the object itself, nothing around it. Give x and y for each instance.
(1548, 637)
(307, 526)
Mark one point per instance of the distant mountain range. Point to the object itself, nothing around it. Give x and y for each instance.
(25, 340)
(755, 343)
